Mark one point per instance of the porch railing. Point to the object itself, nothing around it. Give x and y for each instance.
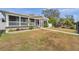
(32, 23)
(24, 23)
(16, 23)
(13, 23)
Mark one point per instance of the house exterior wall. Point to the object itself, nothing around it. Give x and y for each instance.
(7, 20)
(6, 24)
(2, 25)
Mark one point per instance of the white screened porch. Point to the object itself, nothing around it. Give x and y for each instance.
(19, 21)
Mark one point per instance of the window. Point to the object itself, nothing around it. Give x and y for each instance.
(3, 20)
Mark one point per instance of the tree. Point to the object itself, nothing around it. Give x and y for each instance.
(53, 15)
(50, 13)
(70, 17)
(69, 23)
(61, 22)
(45, 24)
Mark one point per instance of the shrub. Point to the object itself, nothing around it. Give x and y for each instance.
(72, 27)
(17, 29)
(53, 21)
(31, 27)
(1, 32)
(45, 24)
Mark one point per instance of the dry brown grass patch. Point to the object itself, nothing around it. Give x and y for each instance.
(39, 40)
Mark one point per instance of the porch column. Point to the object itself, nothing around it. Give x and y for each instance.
(19, 20)
(28, 21)
(7, 20)
(41, 23)
(35, 23)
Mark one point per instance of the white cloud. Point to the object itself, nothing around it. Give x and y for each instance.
(70, 11)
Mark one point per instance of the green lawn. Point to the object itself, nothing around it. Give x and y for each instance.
(39, 40)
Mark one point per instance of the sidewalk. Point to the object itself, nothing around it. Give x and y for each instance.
(60, 31)
(22, 31)
(44, 29)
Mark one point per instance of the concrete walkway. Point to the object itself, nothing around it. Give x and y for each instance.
(43, 29)
(22, 31)
(60, 31)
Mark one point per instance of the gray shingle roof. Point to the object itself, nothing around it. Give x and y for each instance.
(28, 15)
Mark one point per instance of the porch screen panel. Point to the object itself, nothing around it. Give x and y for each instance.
(32, 21)
(24, 21)
(13, 21)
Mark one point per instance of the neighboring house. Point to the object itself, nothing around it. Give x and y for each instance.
(10, 20)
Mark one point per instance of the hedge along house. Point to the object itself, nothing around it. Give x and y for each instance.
(10, 20)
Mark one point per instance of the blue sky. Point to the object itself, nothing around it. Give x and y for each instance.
(38, 11)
